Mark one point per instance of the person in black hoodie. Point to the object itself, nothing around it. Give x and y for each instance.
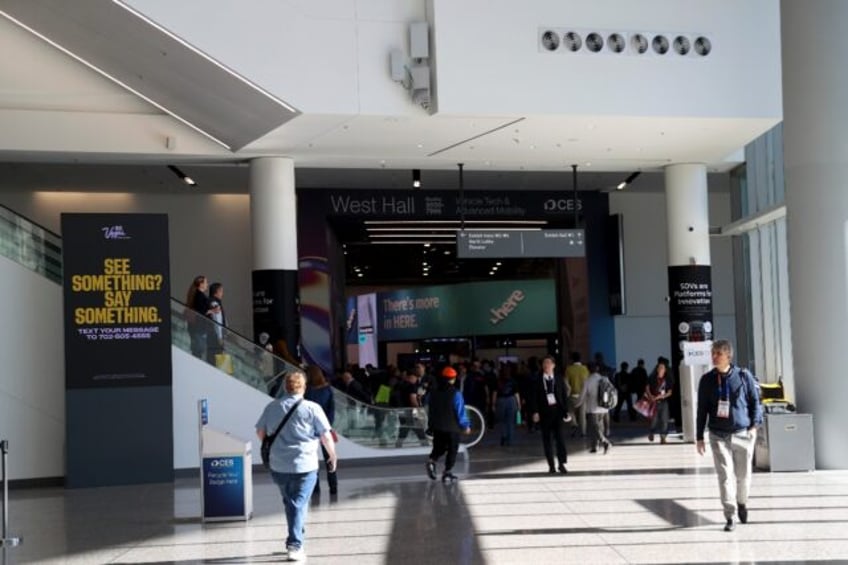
(447, 419)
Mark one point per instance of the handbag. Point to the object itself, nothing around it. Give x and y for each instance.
(646, 408)
(265, 450)
(224, 362)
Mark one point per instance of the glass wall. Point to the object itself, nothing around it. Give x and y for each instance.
(760, 261)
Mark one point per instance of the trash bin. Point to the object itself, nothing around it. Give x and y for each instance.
(785, 443)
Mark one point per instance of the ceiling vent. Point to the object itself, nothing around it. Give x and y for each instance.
(660, 44)
(572, 41)
(594, 42)
(682, 45)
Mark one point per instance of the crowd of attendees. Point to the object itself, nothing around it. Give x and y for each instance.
(503, 392)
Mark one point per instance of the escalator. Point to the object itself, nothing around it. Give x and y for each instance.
(365, 430)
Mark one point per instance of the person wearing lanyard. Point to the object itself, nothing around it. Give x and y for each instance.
(549, 408)
(729, 401)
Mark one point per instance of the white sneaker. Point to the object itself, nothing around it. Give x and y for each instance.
(296, 554)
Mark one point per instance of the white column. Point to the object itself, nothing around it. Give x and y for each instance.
(687, 213)
(815, 88)
(687, 210)
(273, 213)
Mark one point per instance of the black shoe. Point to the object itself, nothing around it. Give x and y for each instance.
(729, 526)
(562, 468)
(593, 450)
(449, 477)
(552, 470)
(742, 510)
(431, 470)
(606, 447)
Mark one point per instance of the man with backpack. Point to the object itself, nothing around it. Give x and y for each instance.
(598, 396)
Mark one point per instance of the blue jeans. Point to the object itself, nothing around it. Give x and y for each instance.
(296, 489)
(506, 416)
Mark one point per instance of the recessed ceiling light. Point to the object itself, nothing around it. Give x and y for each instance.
(360, 275)
(588, 163)
(426, 245)
(498, 263)
(447, 252)
(420, 146)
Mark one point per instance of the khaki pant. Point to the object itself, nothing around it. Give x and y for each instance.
(579, 414)
(732, 455)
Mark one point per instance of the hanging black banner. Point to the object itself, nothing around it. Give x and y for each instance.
(119, 409)
(117, 300)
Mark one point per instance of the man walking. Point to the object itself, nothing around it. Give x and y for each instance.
(294, 453)
(729, 402)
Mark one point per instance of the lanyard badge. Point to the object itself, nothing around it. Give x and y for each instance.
(723, 410)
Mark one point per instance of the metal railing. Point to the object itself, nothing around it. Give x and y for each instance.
(6, 540)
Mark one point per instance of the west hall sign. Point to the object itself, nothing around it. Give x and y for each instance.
(446, 204)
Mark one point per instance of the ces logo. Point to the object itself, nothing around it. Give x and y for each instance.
(222, 463)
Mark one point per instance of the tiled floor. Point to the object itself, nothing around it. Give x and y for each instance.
(641, 503)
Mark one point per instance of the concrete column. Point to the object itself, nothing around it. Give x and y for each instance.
(687, 210)
(273, 212)
(689, 281)
(815, 89)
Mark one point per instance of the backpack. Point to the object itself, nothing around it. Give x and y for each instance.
(607, 394)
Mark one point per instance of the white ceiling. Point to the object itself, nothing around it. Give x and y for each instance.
(82, 117)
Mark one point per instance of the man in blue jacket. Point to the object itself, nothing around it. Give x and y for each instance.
(447, 419)
(729, 399)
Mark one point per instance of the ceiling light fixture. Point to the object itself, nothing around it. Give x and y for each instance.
(498, 222)
(434, 229)
(628, 180)
(416, 178)
(182, 176)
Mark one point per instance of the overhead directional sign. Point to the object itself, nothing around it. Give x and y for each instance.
(472, 244)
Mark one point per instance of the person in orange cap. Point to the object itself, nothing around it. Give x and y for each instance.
(447, 419)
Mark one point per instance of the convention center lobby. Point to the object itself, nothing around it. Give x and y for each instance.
(200, 198)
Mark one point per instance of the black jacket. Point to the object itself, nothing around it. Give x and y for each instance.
(538, 399)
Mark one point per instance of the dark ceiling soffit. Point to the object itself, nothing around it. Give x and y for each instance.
(147, 60)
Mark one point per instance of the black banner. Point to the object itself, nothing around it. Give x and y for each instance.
(690, 306)
(117, 300)
(276, 316)
(119, 408)
(690, 315)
